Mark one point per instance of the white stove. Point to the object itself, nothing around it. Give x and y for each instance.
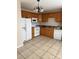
(36, 31)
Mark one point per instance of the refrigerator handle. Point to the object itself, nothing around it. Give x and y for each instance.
(24, 27)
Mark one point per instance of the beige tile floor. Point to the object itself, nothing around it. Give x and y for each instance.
(40, 47)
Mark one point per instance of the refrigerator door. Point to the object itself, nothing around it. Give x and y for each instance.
(22, 29)
(28, 29)
(25, 29)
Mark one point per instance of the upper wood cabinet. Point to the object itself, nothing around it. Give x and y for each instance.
(56, 15)
(50, 15)
(26, 14)
(39, 17)
(44, 17)
(34, 15)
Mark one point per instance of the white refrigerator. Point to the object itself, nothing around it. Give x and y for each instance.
(25, 29)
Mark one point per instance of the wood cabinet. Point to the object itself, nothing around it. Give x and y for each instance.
(44, 17)
(47, 31)
(34, 15)
(32, 32)
(42, 31)
(56, 15)
(26, 14)
(39, 17)
(50, 15)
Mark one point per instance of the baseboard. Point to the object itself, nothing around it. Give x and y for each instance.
(20, 46)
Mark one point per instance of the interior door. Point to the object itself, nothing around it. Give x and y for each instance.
(22, 29)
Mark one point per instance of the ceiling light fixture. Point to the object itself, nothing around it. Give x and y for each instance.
(38, 8)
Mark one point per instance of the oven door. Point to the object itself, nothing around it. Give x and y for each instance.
(37, 31)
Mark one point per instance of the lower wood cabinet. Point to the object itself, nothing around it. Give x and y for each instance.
(47, 31)
(32, 32)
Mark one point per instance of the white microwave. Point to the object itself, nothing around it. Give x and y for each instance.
(34, 20)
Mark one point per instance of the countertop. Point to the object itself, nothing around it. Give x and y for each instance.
(55, 27)
(48, 25)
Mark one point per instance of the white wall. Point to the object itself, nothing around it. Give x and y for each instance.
(19, 41)
(18, 9)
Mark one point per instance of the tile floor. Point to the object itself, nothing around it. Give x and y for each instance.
(40, 48)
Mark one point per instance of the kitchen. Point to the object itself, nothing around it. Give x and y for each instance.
(51, 21)
(39, 31)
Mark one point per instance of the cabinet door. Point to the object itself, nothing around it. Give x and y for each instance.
(39, 17)
(32, 32)
(58, 16)
(42, 31)
(51, 15)
(49, 32)
(25, 14)
(34, 15)
(44, 18)
(29, 15)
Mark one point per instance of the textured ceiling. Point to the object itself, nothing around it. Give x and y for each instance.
(48, 5)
